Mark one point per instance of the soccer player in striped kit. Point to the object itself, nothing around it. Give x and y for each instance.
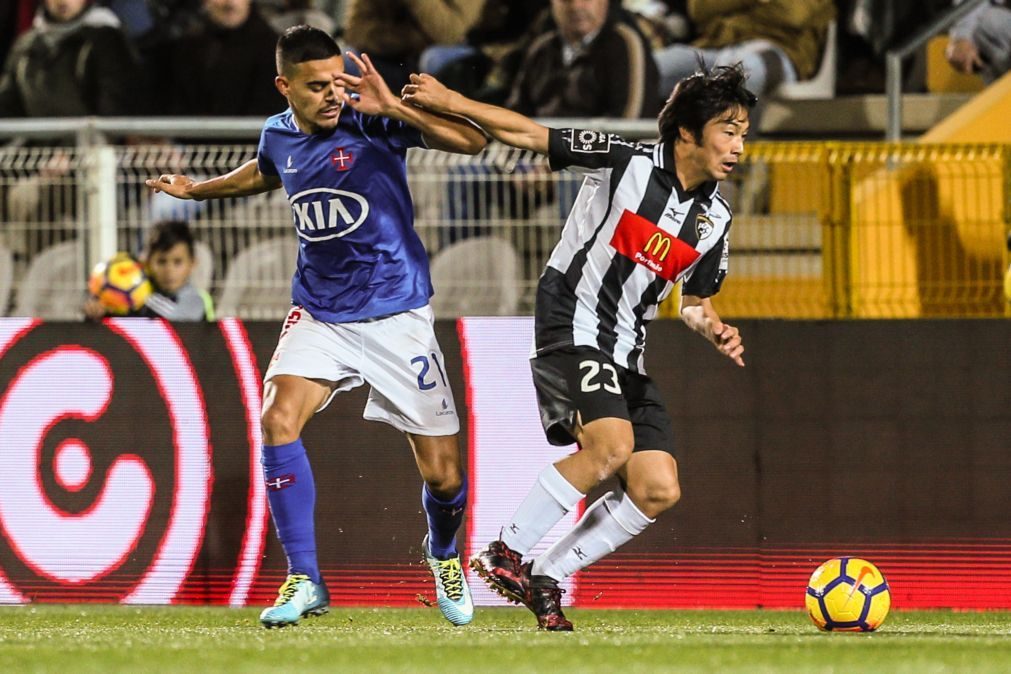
(649, 215)
(361, 292)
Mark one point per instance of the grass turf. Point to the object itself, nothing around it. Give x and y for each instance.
(116, 638)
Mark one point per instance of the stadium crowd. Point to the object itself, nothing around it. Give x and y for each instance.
(557, 58)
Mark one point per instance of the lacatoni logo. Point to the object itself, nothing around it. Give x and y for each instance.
(323, 213)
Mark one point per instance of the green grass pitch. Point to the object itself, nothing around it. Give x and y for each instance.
(71, 639)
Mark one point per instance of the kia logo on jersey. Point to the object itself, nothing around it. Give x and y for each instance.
(323, 213)
(658, 250)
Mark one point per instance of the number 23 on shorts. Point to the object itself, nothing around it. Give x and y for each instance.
(598, 375)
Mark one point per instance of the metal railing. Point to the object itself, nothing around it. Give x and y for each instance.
(822, 230)
(895, 57)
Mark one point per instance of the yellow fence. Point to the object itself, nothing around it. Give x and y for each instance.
(868, 230)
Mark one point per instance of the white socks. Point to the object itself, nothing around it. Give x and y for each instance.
(549, 499)
(609, 523)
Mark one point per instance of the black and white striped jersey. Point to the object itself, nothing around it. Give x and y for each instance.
(631, 235)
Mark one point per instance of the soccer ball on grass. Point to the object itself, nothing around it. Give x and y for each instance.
(847, 594)
(120, 284)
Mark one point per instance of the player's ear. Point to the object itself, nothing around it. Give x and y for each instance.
(282, 84)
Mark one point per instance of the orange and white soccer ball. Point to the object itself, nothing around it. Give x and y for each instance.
(120, 284)
(847, 594)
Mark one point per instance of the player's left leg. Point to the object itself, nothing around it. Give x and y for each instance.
(411, 392)
(444, 497)
(616, 517)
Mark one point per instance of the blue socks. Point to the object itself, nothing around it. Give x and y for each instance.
(444, 519)
(292, 497)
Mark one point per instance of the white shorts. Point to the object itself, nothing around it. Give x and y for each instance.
(398, 356)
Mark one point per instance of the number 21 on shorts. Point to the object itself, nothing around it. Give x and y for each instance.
(426, 365)
(598, 375)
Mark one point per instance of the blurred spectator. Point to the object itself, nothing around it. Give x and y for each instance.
(169, 261)
(485, 66)
(981, 41)
(223, 68)
(74, 61)
(284, 14)
(594, 63)
(394, 33)
(777, 41)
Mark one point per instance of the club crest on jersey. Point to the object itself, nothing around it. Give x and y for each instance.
(341, 159)
(323, 213)
(590, 141)
(703, 226)
(658, 250)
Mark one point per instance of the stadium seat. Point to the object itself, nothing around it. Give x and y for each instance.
(258, 282)
(476, 277)
(203, 272)
(6, 278)
(822, 85)
(54, 285)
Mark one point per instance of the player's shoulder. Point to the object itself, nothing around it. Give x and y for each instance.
(282, 122)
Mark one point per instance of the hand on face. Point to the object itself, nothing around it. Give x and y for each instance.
(374, 97)
(426, 92)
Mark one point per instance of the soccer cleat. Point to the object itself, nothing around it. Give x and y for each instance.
(502, 568)
(298, 597)
(545, 600)
(451, 591)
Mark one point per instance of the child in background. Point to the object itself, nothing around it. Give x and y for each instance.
(169, 261)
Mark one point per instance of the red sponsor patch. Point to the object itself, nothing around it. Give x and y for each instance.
(661, 252)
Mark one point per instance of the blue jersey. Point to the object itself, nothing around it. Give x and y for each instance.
(359, 256)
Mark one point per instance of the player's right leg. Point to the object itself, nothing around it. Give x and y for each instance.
(288, 403)
(573, 406)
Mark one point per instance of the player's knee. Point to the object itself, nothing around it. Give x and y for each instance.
(655, 496)
(663, 495)
(444, 487)
(279, 425)
(610, 456)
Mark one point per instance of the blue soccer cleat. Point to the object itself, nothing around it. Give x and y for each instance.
(451, 591)
(298, 597)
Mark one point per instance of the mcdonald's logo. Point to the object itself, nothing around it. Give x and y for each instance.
(658, 242)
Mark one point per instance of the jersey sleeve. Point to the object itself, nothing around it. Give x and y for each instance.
(707, 278)
(586, 149)
(399, 135)
(263, 161)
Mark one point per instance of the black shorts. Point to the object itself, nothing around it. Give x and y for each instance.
(582, 379)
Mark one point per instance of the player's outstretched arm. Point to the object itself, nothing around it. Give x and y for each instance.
(699, 315)
(241, 182)
(441, 132)
(503, 125)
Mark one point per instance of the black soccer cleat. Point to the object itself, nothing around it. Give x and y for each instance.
(502, 568)
(545, 600)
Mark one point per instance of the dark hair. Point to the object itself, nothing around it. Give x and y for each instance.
(166, 234)
(702, 97)
(304, 43)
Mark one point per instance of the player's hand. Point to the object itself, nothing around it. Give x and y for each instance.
(727, 339)
(94, 310)
(173, 184)
(963, 55)
(427, 92)
(374, 97)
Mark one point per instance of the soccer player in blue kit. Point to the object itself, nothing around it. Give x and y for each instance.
(361, 294)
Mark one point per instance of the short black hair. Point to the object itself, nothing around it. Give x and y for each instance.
(166, 234)
(702, 97)
(304, 43)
